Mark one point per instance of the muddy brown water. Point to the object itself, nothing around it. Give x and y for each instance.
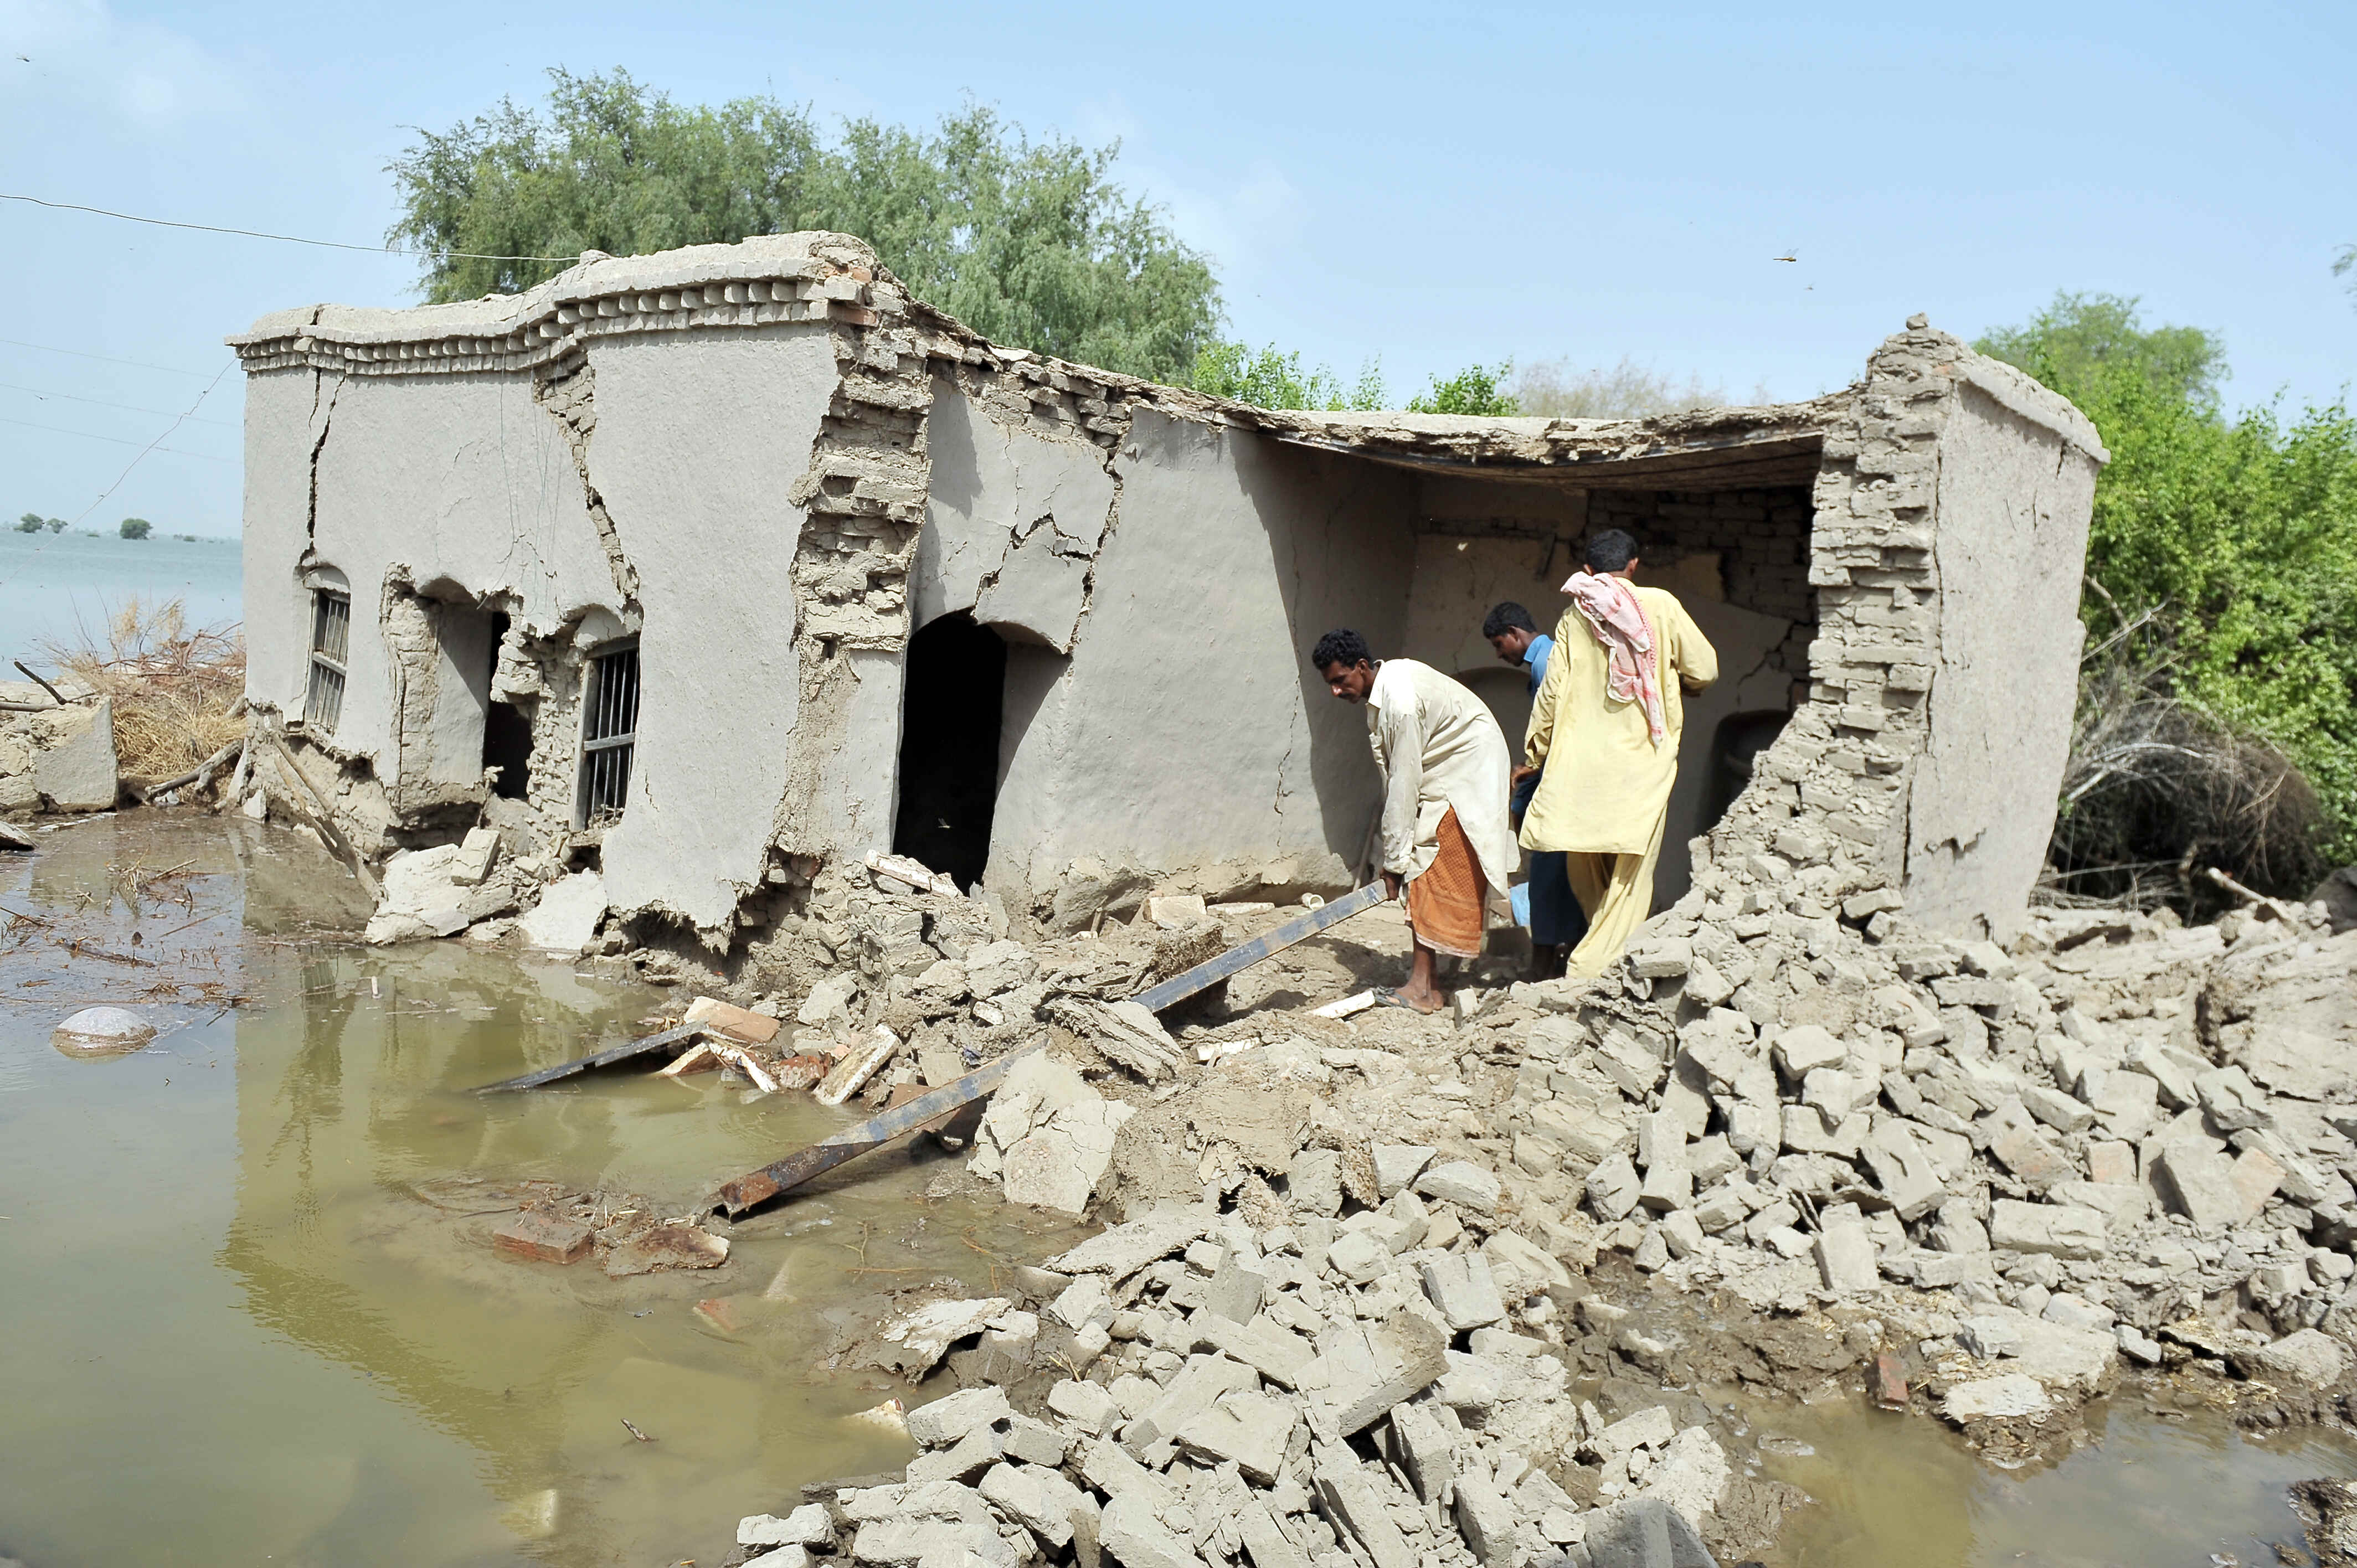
(2149, 1490)
(232, 1331)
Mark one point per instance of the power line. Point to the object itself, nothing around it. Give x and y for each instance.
(152, 446)
(289, 238)
(101, 402)
(103, 358)
(119, 441)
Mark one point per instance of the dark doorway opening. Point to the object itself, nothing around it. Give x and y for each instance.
(1740, 739)
(506, 733)
(956, 687)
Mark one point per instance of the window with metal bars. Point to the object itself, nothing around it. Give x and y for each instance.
(609, 727)
(331, 642)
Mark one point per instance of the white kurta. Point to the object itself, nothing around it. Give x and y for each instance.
(1439, 748)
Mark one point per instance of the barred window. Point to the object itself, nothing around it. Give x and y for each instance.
(609, 725)
(331, 639)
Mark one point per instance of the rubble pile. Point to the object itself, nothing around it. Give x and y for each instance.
(1337, 1392)
(2007, 1172)
(2119, 1139)
(2003, 1172)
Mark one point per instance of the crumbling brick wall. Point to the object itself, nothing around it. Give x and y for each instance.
(1762, 537)
(1826, 821)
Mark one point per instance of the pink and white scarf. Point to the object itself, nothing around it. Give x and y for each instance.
(1633, 673)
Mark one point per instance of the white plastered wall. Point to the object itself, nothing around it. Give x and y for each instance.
(279, 429)
(463, 483)
(1187, 729)
(2014, 500)
(699, 441)
(1013, 519)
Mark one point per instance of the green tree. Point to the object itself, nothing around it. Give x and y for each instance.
(1269, 379)
(1030, 244)
(2080, 337)
(31, 523)
(57, 525)
(1476, 389)
(2240, 531)
(135, 528)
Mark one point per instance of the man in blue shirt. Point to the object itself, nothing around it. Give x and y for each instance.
(1554, 916)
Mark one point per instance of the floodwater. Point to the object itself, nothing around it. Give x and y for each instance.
(2181, 1490)
(232, 1331)
(61, 587)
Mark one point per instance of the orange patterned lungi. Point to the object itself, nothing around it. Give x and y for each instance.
(1444, 903)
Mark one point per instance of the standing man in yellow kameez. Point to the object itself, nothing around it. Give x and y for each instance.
(1606, 725)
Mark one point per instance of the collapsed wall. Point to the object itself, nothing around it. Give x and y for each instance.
(1951, 519)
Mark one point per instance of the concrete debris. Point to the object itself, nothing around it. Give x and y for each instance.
(921, 1336)
(1048, 1137)
(2307, 1359)
(569, 914)
(545, 1238)
(857, 1066)
(80, 774)
(2328, 1510)
(736, 1022)
(672, 1244)
(2009, 1396)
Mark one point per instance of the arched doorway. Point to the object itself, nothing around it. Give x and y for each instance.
(953, 695)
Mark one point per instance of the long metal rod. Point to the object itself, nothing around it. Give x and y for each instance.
(605, 1058)
(1180, 987)
(759, 1186)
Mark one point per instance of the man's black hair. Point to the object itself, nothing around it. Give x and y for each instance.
(1341, 646)
(1506, 618)
(1610, 551)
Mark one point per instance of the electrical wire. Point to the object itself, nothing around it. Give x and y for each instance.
(288, 239)
(119, 441)
(103, 358)
(100, 402)
(153, 445)
(134, 462)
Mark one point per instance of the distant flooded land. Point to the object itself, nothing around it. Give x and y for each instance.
(61, 587)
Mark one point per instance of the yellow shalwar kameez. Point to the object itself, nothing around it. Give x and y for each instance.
(1606, 792)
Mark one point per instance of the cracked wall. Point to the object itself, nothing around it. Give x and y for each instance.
(700, 442)
(1186, 740)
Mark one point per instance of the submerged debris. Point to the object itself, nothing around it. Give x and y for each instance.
(101, 1032)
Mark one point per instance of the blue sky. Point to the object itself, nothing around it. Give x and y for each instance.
(1427, 184)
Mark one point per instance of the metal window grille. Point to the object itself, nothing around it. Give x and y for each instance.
(331, 640)
(609, 727)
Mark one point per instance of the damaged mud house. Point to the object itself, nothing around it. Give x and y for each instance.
(699, 575)
(684, 586)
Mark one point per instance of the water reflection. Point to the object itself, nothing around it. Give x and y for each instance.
(221, 1278)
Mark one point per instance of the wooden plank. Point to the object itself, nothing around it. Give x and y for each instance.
(605, 1058)
(1180, 987)
(759, 1186)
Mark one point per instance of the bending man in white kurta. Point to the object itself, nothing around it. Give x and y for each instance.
(1445, 774)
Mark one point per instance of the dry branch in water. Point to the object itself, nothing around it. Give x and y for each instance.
(175, 688)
